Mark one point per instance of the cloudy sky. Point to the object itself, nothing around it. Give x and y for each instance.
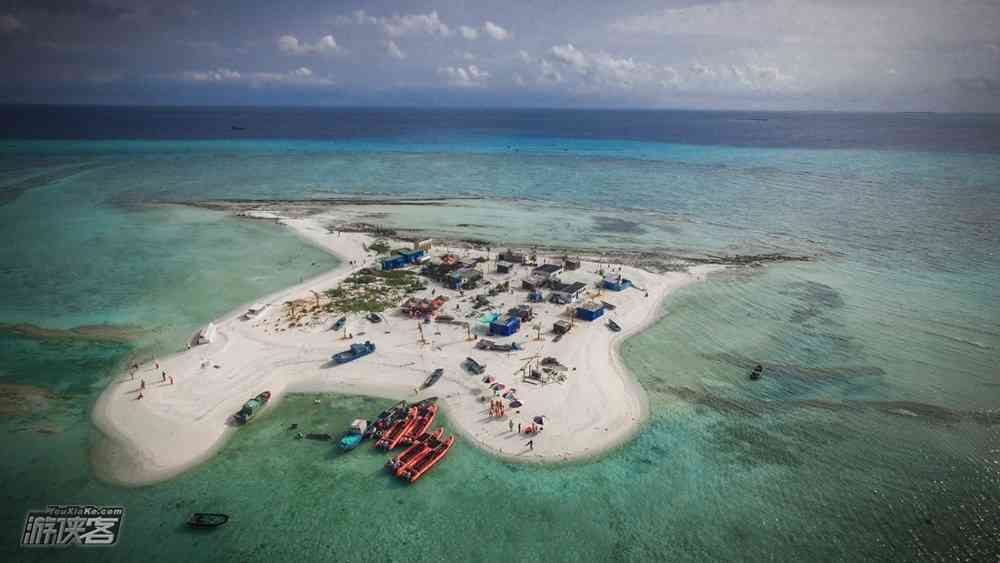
(898, 55)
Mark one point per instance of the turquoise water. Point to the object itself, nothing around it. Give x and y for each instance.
(815, 461)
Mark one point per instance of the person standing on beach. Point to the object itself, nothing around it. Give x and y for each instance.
(518, 427)
(171, 380)
(510, 425)
(142, 384)
(531, 445)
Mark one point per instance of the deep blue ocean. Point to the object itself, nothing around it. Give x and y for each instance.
(876, 437)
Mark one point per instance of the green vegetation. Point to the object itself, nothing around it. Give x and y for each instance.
(370, 290)
(380, 247)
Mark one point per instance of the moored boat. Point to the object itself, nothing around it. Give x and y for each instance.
(425, 462)
(339, 323)
(385, 419)
(758, 370)
(207, 520)
(354, 435)
(252, 407)
(391, 437)
(420, 445)
(432, 378)
(356, 351)
(425, 416)
(614, 326)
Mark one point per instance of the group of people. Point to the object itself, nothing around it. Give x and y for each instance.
(134, 367)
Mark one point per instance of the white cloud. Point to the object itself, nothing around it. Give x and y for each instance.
(464, 77)
(10, 24)
(394, 50)
(216, 75)
(603, 69)
(496, 32)
(469, 33)
(302, 76)
(359, 17)
(415, 24)
(291, 45)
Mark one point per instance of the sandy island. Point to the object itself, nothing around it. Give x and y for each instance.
(597, 407)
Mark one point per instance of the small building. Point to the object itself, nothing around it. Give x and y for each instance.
(590, 311)
(425, 244)
(568, 292)
(425, 259)
(512, 257)
(562, 327)
(449, 259)
(547, 271)
(571, 263)
(616, 282)
(533, 282)
(504, 267)
(466, 278)
(207, 334)
(524, 312)
(412, 256)
(422, 307)
(535, 296)
(394, 262)
(506, 325)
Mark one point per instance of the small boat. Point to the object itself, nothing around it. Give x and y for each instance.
(354, 435)
(425, 462)
(420, 445)
(339, 323)
(356, 351)
(385, 419)
(207, 520)
(252, 407)
(238, 128)
(474, 366)
(432, 378)
(425, 416)
(758, 370)
(374, 317)
(391, 437)
(614, 326)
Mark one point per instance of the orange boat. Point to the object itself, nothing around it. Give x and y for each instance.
(424, 463)
(395, 433)
(420, 446)
(425, 417)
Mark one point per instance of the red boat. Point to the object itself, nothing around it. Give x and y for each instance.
(424, 463)
(421, 444)
(392, 436)
(425, 417)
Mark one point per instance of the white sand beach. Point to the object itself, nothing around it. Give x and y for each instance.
(598, 406)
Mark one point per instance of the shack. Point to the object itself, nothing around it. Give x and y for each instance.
(412, 256)
(523, 312)
(533, 282)
(567, 292)
(571, 263)
(206, 335)
(512, 257)
(394, 262)
(425, 244)
(506, 325)
(535, 296)
(504, 267)
(547, 271)
(466, 278)
(616, 282)
(590, 311)
(562, 327)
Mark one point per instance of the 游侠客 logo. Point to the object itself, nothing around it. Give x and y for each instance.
(72, 525)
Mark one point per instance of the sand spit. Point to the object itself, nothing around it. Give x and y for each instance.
(596, 407)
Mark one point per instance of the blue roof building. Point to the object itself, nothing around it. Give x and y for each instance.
(393, 262)
(590, 311)
(412, 256)
(506, 325)
(616, 283)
